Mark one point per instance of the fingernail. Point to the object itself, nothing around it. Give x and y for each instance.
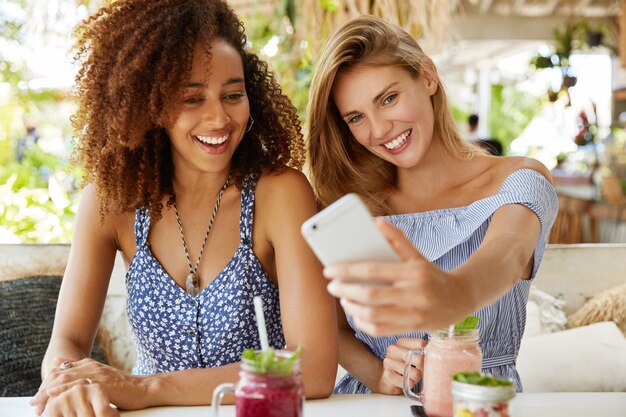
(330, 271)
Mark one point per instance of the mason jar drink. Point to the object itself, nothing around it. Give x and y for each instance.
(262, 392)
(446, 353)
(480, 395)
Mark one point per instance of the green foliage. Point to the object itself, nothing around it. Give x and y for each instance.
(511, 111)
(293, 61)
(37, 195)
(38, 201)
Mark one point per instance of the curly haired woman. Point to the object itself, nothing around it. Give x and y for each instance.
(185, 138)
(470, 228)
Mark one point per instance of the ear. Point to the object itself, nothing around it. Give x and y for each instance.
(429, 75)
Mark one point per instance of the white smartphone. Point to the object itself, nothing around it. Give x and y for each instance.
(345, 232)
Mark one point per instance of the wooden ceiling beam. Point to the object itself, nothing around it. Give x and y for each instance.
(492, 26)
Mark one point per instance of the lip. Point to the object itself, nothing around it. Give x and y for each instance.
(399, 149)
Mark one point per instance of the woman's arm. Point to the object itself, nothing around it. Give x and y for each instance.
(421, 296)
(84, 287)
(355, 357)
(384, 377)
(307, 310)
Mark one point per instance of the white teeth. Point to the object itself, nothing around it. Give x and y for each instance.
(397, 142)
(211, 140)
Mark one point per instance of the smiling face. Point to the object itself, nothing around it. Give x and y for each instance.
(214, 112)
(387, 110)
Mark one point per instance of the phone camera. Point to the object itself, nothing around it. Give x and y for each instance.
(314, 227)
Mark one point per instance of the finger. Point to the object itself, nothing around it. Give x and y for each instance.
(397, 353)
(382, 272)
(374, 295)
(44, 396)
(58, 360)
(399, 241)
(415, 375)
(398, 368)
(380, 329)
(393, 378)
(387, 314)
(392, 365)
(39, 408)
(55, 378)
(411, 342)
(57, 390)
(101, 403)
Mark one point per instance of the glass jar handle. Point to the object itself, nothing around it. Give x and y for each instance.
(406, 388)
(218, 394)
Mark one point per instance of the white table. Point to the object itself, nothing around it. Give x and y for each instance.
(601, 404)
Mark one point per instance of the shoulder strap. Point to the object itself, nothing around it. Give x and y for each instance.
(247, 209)
(142, 226)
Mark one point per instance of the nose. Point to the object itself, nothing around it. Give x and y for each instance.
(379, 126)
(215, 113)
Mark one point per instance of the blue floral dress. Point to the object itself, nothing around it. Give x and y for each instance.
(173, 331)
(448, 237)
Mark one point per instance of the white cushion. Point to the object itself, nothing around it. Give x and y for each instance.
(585, 359)
(533, 320)
(551, 317)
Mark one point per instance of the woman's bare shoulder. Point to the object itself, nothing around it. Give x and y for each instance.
(110, 225)
(509, 164)
(286, 193)
(284, 183)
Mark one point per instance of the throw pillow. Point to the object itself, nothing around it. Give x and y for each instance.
(114, 334)
(608, 305)
(533, 320)
(550, 311)
(27, 307)
(584, 359)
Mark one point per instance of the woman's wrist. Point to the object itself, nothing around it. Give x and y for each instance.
(147, 391)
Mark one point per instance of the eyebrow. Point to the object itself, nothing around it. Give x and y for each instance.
(375, 99)
(231, 81)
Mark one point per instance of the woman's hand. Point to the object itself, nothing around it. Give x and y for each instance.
(391, 379)
(396, 297)
(81, 398)
(83, 384)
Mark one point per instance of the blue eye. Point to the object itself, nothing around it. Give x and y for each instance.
(355, 118)
(390, 98)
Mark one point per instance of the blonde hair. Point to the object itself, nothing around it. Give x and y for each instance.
(337, 163)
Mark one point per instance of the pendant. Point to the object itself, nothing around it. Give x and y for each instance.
(191, 284)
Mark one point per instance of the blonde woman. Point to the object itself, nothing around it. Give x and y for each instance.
(470, 227)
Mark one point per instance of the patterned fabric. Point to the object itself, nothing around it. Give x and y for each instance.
(448, 237)
(174, 331)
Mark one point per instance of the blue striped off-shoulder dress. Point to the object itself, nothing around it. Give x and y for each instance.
(448, 237)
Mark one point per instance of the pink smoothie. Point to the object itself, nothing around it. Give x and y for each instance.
(269, 396)
(443, 358)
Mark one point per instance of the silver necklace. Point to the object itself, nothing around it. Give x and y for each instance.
(192, 282)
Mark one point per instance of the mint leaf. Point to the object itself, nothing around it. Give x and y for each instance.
(485, 380)
(266, 359)
(249, 354)
(470, 323)
(268, 362)
(284, 366)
